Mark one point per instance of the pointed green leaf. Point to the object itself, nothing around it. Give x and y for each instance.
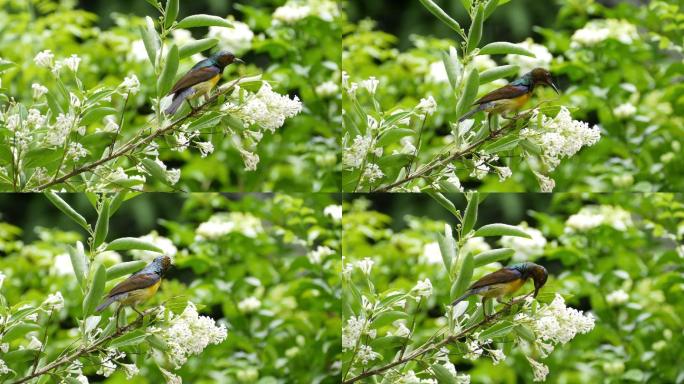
(123, 269)
(452, 66)
(388, 317)
(493, 255)
(133, 338)
(171, 12)
(79, 262)
(470, 216)
(501, 230)
(497, 330)
(443, 201)
(490, 8)
(197, 46)
(150, 39)
(203, 21)
(96, 291)
(67, 210)
(464, 276)
(505, 48)
(498, 73)
(441, 15)
(128, 243)
(102, 225)
(475, 32)
(447, 248)
(472, 84)
(442, 374)
(165, 81)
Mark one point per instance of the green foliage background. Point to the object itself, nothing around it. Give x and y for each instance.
(635, 341)
(292, 337)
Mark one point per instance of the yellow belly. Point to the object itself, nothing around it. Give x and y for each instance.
(499, 290)
(508, 105)
(140, 295)
(204, 87)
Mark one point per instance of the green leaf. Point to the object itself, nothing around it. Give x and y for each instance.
(96, 291)
(472, 84)
(79, 262)
(133, 338)
(498, 73)
(500, 230)
(387, 342)
(470, 216)
(5, 65)
(493, 255)
(447, 247)
(388, 317)
(123, 269)
(497, 330)
(467, 4)
(19, 356)
(475, 32)
(128, 243)
(525, 333)
(452, 66)
(490, 8)
(155, 170)
(165, 81)
(393, 136)
(176, 304)
(67, 210)
(196, 47)
(442, 374)
(464, 276)
(203, 21)
(443, 201)
(505, 143)
(171, 12)
(150, 39)
(504, 48)
(157, 343)
(19, 330)
(96, 114)
(441, 15)
(102, 225)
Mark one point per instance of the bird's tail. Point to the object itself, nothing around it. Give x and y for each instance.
(472, 112)
(105, 304)
(178, 99)
(465, 296)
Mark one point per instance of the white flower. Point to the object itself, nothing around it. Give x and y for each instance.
(334, 212)
(188, 334)
(3, 367)
(427, 105)
(423, 288)
(474, 350)
(437, 73)
(110, 124)
(597, 31)
(137, 51)
(540, 370)
(317, 255)
(170, 377)
(372, 172)
(356, 152)
(402, 331)
(475, 245)
(617, 297)
(407, 147)
(560, 136)
(592, 216)
(131, 85)
(624, 111)
(497, 355)
(371, 84)
(352, 331)
(293, 11)
(165, 244)
(546, 184)
(484, 62)
(205, 148)
(504, 173)
(221, 224)
(34, 343)
(4, 347)
(365, 265)
(327, 89)
(182, 36)
(431, 253)
(54, 301)
(35, 119)
(38, 90)
(130, 370)
(2, 278)
(266, 108)
(542, 57)
(366, 354)
(107, 366)
(249, 305)
(525, 249)
(237, 39)
(76, 151)
(72, 62)
(58, 133)
(44, 58)
(250, 159)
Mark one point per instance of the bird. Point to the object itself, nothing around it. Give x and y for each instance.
(512, 96)
(506, 280)
(138, 287)
(200, 79)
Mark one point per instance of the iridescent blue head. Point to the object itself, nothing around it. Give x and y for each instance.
(159, 265)
(538, 274)
(224, 58)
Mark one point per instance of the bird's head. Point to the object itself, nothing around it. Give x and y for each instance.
(539, 275)
(541, 76)
(162, 264)
(225, 58)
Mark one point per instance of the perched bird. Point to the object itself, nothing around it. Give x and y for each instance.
(200, 79)
(138, 287)
(506, 280)
(512, 96)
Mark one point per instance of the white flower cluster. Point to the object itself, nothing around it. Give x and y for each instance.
(542, 57)
(356, 151)
(249, 305)
(295, 10)
(54, 301)
(427, 105)
(352, 331)
(525, 249)
(540, 370)
(597, 31)
(592, 216)
(616, 298)
(46, 59)
(624, 110)
(317, 255)
(334, 212)
(327, 89)
(188, 334)
(221, 224)
(423, 288)
(555, 323)
(130, 84)
(237, 39)
(38, 90)
(560, 136)
(266, 108)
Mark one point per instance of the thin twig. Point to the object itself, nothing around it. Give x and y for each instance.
(435, 346)
(42, 346)
(121, 121)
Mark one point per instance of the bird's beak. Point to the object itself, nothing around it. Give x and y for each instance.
(236, 60)
(554, 86)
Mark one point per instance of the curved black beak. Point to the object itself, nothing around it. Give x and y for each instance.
(236, 60)
(555, 88)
